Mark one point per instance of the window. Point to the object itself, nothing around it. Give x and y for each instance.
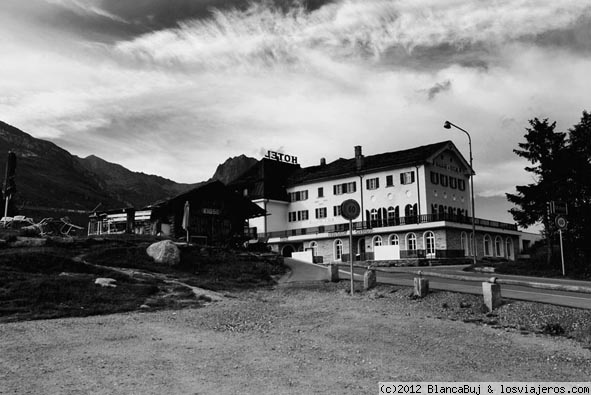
(411, 242)
(297, 196)
(462, 185)
(499, 247)
(453, 182)
(408, 211)
(320, 192)
(321, 212)
(391, 213)
(338, 250)
(487, 245)
(434, 178)
(372, 183)
(443, 180)
(464, 244)
(509, 247)
(348, 187)
(389, 181)
(393, 240)
(336, 211)
(407, 177)
(301, 215)
(373, 214)
(429, 243)
(377, 241)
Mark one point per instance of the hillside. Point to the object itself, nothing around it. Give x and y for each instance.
(48, 176)
(51, 182)
(133, 188)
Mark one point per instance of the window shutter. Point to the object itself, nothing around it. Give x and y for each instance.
(412, 177)
(402, 178)
(377, 182)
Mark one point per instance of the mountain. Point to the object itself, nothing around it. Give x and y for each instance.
(133, 188)
(51, 182)
(233, 168)
(47, 176)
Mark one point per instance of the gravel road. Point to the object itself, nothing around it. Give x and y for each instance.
(288, 340)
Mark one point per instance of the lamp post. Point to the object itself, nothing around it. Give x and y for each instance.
(448, 125)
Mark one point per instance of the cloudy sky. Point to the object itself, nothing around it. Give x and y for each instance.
(174, 87)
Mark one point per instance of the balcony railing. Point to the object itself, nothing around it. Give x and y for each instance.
(387, 222)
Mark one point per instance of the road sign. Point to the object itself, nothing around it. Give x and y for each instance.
(350, 209)
(560, 222)
(558, 208)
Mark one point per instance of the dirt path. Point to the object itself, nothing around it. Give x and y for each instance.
(283, 341)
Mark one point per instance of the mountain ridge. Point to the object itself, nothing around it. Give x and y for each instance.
(49, 179)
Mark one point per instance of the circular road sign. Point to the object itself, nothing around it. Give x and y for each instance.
(350, 209)
(560, 222)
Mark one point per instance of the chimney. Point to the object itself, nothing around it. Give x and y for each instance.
(322, 161)
(358, 157)
(358, 153)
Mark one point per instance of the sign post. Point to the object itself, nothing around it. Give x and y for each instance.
(350, 210)
(561, 224)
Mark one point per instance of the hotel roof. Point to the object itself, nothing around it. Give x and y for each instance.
(389, 160)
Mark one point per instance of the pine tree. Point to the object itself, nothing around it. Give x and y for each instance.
(545, 150)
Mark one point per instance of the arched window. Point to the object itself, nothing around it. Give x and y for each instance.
(509, 248)
(465, 244)
(377, 241)
(429, 243)
(499, 247)
(393, 240)
(411, 242)
(391, 216)
(314, 247)
(487, 245)
(408, 211)
(338, 249)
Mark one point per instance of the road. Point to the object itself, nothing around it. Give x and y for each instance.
(303, 272)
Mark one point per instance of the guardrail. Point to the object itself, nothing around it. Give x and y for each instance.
(491, 286)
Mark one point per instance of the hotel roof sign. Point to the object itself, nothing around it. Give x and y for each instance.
(279, 157)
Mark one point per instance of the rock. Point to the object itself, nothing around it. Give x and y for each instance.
(105, 282)
(165, 252)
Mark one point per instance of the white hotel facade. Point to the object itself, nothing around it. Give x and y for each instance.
(415, 206)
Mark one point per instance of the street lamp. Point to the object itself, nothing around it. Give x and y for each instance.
(448, 125)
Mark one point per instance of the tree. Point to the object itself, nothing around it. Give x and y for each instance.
(579, 154)
(544, 149)
(561, 170)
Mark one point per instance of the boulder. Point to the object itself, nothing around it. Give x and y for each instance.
(105, 282)
(165, 252)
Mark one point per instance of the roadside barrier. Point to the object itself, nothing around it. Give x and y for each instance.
(491, 286)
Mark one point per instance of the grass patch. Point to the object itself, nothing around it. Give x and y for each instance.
(218, 270)
(47, 282)
(36, 285)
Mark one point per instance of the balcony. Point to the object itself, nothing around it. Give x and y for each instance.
(388, 222)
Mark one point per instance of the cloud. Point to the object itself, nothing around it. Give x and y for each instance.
(86, 7)
(264, 35)
(242, 79)
(438, 88)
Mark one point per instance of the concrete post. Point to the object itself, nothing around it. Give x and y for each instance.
(333, 272)
(491, 291)
(421, 286)
(369, 279)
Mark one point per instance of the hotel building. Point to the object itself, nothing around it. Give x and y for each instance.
(415, 205)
